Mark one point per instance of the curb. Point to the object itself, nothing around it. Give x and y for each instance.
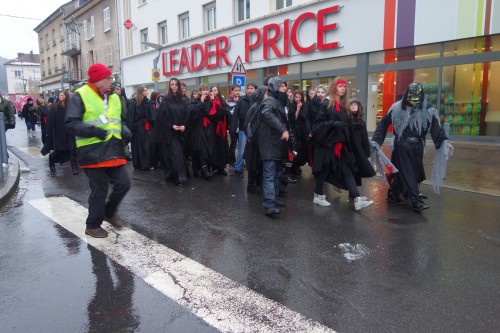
(12, 175)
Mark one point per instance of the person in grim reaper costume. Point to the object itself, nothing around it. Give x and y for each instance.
(412, 118)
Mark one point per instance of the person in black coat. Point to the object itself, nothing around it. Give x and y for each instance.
(138, 120)
(218, 117)
(252, 157)
(199, 135)
(43, 112)
(335, 153)
(171, 125)
(58, 139)
(272, 136)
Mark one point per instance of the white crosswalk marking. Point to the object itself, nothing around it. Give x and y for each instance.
(219, 301)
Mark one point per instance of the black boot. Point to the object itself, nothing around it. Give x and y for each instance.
(52, 165)
(205, 172)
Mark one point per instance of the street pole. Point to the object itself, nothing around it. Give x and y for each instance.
(155, 60)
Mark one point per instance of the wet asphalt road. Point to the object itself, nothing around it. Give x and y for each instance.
(411, 272)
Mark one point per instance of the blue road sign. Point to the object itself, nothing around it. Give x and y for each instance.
(239, 80)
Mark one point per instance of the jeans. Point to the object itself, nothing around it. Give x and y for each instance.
(242, 140)
(271, 170)
(30, 125)
(99, 178)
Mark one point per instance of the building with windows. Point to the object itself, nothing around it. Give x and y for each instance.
(77, 35)
(378, 46)
(23, 75)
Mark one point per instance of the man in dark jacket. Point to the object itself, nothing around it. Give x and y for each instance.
(272, 135)
(8, 113)
(96, 117)
(238, 122)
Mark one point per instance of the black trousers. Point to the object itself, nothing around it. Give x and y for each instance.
(99, 180)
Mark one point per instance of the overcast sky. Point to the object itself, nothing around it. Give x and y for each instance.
(16, 34)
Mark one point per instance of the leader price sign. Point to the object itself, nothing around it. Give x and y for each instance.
(239, 80)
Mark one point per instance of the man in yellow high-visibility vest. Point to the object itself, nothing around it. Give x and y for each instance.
(95, 117)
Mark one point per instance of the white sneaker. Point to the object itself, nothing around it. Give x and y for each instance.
(33, 134)
(320, 199)
(361, 202)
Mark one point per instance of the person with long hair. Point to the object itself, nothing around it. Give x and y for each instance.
(137, 120)
(334, 153)
(43, 112)
(218, 117)
(58, 139)
(300, 132)
(199, 135)
(171, 125)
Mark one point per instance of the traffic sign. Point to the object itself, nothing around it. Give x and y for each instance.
(155, 75)
(238, 67)
(128, 24)
(239, 80)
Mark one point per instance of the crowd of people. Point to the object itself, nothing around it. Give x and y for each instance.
(271, 131)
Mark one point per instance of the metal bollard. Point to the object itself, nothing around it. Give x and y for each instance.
(3, 145)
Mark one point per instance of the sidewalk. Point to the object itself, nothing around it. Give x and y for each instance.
(11, 179)
(474, 167)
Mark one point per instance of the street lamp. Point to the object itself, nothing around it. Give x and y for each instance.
(155, 60)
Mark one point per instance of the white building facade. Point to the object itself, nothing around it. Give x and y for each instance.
(378, 46)
(23, 74)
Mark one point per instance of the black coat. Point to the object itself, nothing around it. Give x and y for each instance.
(240, 111)
(273, 125)
(58, 138)
(326, 136)
(170, 113)
(196, 132)
(310, 110)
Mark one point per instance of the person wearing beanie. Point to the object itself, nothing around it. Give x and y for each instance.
(96, 116)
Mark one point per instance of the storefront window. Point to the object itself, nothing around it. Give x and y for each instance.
(328, 64)
(385, 88)
(421, 52)
(282, 70)
(464, 46)
(468, 99)
(495, 43)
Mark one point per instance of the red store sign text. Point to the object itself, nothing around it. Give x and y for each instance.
(270, 38)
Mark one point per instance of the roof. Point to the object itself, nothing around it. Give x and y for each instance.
(25, 59)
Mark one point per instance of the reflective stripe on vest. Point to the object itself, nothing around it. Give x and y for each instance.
(94, 108)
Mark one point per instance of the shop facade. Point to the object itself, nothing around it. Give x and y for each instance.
(452, 47)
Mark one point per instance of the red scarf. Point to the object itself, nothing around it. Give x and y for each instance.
(221, 127)
(213, 111)
(338, 145)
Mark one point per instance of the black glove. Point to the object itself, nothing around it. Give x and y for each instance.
(99, 133)
(338, 124)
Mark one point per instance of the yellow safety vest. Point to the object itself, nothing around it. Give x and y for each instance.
(94, 109)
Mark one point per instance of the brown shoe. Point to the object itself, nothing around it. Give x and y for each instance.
(96, 233)
(114, 221)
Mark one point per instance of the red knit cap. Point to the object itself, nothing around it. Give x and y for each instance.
(97, 72)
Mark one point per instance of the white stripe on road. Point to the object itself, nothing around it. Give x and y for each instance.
(219, 301)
